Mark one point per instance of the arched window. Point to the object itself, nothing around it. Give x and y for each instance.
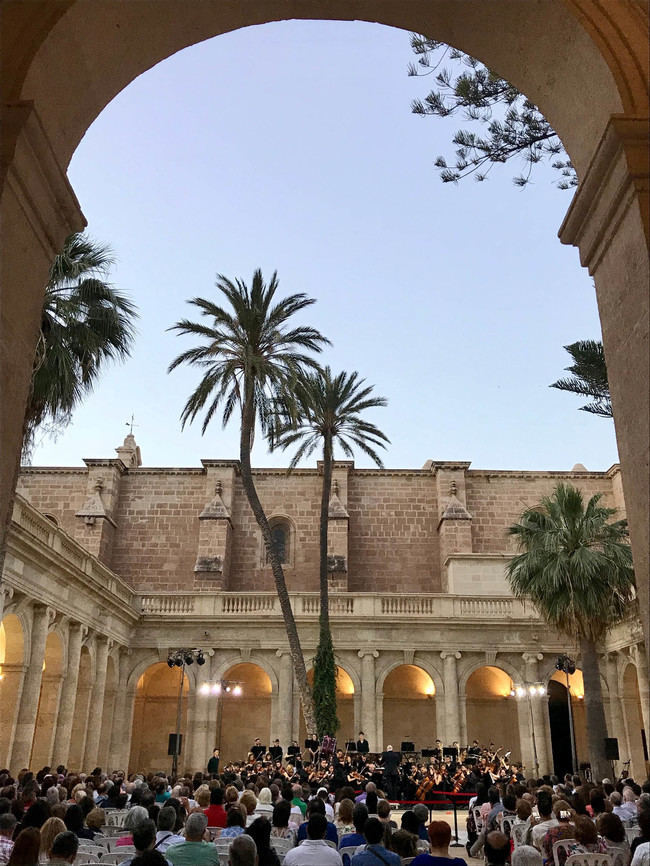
(281, 538)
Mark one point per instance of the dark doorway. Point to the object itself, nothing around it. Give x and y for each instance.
(558, 713)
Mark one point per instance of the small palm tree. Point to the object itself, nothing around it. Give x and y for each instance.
(85, 322)
(250, 358)
(576, 568)
(589, 377)
(328, 412)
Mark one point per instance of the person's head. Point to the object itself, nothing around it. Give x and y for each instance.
(439, 833)
(359, 816)
(236, 816)
(493, 795)
(49, 831)
(585, 832)
(167, 818)
(65, 846)
(144, 835)
(149, 858)
(611, 827)
(346, 809)
(195, 826)
(371, 802)
(95, 819)
(74, 819)
(410, 823)
(260, 831)
(403, 843)
(562, 811)
(231, 794)
(202, 796)
(383, 810)
(243, 851)
(544, 804)
(26, 847)
(134, 817)
(523, 809)
(317, 805)
(421, 812)
(497, 848)
(249, 801)
(615, 798)
(8, 823)
(629, 795)
(281, 814)
(316, 825)
(36, 815)
(265, 797)
(509, 802)
(526, 855)
(361, 735)
(373, 830)
(215, 753)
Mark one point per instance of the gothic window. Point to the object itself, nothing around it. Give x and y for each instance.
(281, 537)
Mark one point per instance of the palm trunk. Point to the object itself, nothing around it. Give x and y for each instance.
(300, 671)
(324, 619)
(595, 712)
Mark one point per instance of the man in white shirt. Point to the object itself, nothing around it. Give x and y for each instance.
(546, 819)
(165, 835)
(314, 851)
(329, 811)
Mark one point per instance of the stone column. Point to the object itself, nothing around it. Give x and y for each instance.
(96, 703)
(379, 724)
(118, 754)
(452, 715)
(76, 635)
(641, 661)
(284, 719)
(28, 709)
(368, 702)
(539, 708)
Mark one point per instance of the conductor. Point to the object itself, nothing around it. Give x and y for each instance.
(391, 761)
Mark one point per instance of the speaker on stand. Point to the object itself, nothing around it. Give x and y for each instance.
(611, 752)
(174, 747)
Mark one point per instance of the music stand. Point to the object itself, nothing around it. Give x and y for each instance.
(407, 746)
(449, 752)
(429, 753)
(350, 745)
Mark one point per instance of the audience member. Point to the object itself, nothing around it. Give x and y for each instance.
(194, 851)
(314, 851)
(26, 848)
(8, 823)
(439, 834)
(260, 832)
(242, 852)
(64, 849)
(49, 831)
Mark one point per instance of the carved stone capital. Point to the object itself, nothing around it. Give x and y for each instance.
(368, 652)
(448, 654)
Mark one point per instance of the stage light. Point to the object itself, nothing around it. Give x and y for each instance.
(520, 691)
(200, 660)
(178, 661)
(227, 688)
(205, 689)
(512, 693)
(237, 690)
(189, 660)
(216, 689)
(170, 662)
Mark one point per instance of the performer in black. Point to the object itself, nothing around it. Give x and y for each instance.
(276, 751)
(391, 761)
(213, 763)
(293, 750)
(363, 745)
(257, 749)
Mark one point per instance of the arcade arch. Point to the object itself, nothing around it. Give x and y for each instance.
(243, 717)
(345, 707)
(12, 664)
(491, 711)
(409, 707)
(154, 716)
(48, 702)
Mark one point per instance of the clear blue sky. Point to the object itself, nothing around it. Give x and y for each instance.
(291, 147)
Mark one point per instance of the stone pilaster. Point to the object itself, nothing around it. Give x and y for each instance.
(76, 636)
(368, 703)
(539, 705)
(617, 727)
(455, 521)
(26, 720)
(284, 720)
(640, 659)
(452, 715)
(96, 704)
(215, 525)
(120, 746)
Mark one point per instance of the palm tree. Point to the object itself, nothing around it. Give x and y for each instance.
(85, 322)
(576, 568)
(329, 412)
(251, 358)
(589, 377)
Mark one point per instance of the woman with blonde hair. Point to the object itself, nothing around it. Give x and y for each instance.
(249, 801)
(202, 796)
(51, 828)
(95, 819)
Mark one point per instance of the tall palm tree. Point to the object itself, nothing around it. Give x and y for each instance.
(252, 357)
(85, 322)
(589, 377)
(328, 412)
(576, 568)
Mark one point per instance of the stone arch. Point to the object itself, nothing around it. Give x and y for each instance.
(417, 661)
(515, 674)
(12, 666)
(409, 706)
(241, 718)
(280, 520)
(237, 658)
(48, 702)
(348, 688)
(155, 716)
(140, 666)
(633, 719)
(491, 712)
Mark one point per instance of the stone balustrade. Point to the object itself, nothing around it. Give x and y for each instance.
(434, 606)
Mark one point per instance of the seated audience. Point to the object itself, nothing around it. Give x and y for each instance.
(166, 835)
(314, 851)
(644, 830)
(374, 851)
(264, 805)
(215, 811)
(564, 829)
(316, 806)
(546, 818)
(526, 855)
(243, 852)
(144, 839)
(49, 831)
(344, 823)
(26, 848)
(260, 832)
(8, 823)
(235, 822)
(64, 849)
(612, 833)
(280, 821)
(496, 848)
(135, 816)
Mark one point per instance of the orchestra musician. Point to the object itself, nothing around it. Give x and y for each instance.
(276, 751)
(257, 749)
(363, 746)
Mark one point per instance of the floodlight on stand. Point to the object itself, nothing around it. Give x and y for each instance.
(205, 689)
(178, 661)
(216, 689)
(200, 659)
(228, 688)
(189, 659)
(237, 690)
(170, 662)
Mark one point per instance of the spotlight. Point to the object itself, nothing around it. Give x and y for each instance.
(237, 690)
(170, 662)
(227, 688)
(189, 659)
(178, 661)
(200, 660)
(216, 689)
(205, 689)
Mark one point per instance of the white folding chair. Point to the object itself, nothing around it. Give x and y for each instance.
(564, 845)
(115, 859)
(116, 819)
(589, 859)
(281, 846)
(632, 832)
(620, 857)
(519, 832)
(349, 851)
(85, 857)
(478, 821)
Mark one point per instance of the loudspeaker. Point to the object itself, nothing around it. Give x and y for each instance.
(407, 746)
(171, 748)
(611, 748)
